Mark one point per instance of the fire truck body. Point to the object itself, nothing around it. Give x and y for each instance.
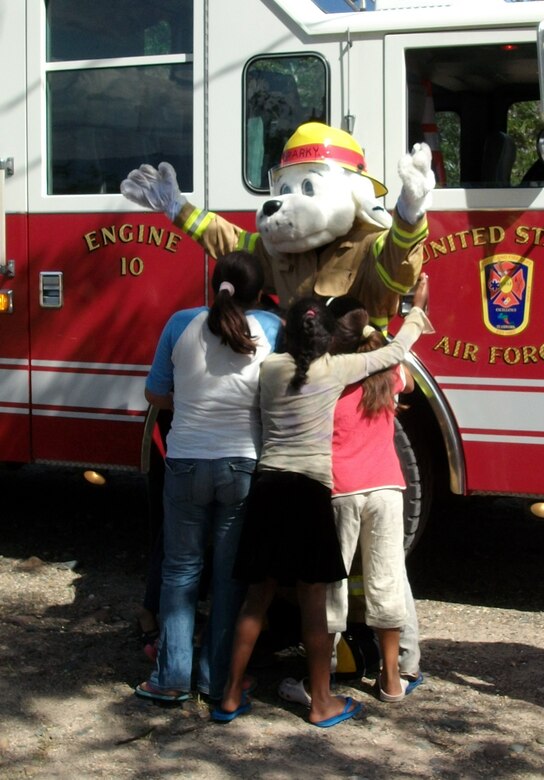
(87, 280)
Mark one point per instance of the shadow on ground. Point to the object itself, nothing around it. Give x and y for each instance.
(56, 515)
(480, 550)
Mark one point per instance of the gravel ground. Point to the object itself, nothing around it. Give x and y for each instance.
(72, 572)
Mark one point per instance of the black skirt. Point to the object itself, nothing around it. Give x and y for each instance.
(289, 532)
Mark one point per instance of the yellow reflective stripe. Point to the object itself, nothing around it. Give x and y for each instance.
(254, 237)
(197, 222)
(247, 241)
(400, 289)
(380, 323)
(355, 586)
(186, 227)
(405, 239)
(377, 246)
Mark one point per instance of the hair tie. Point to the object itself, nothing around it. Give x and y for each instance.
(368, 330)
(228, 287)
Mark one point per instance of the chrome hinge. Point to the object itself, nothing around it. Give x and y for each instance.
(7, 165)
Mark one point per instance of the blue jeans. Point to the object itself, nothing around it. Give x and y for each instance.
(203, 503)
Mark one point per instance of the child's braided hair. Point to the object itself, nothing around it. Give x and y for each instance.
(308, 330)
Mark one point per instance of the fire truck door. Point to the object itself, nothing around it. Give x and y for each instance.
(14, 320)
(103, 277)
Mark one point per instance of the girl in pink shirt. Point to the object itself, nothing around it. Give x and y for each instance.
(367, 496)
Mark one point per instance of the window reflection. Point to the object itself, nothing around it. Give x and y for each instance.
(97, 29)
(477, 107)
(102, 122)
(105, 122)
(281, 93)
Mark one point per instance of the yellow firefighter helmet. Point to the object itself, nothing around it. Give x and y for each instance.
(317, 142)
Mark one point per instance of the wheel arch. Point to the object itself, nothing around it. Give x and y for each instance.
(151, 439)
(431, 400)
(153, 453)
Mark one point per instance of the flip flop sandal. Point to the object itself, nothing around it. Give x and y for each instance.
(393, 698)
(219, 715)
(346, 713)
(413, 681)
(156, 695)
(222, 716)
(249, 686)
(295, 691)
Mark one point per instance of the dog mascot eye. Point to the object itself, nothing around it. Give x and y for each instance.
(285, 189)
(308, 188)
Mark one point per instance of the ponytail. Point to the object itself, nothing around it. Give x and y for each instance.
(237, 281)
(378, 389)
(354, 335)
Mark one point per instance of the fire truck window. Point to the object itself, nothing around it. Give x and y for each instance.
(97, 29)
(104, 122)
(477, 108)
(524, 125)
(448, 125)
(280, 93)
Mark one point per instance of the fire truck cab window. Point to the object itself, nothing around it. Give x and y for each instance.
(96, 29)
(105, 118)
(280, 93)
(478, 108)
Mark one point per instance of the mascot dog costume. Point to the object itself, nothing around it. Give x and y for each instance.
(322, 231)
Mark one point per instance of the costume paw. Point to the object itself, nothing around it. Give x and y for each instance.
(418, 181)
(154, 188)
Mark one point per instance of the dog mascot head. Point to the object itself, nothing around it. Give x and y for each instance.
(319, 188)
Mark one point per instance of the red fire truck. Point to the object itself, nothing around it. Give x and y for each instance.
(93, 89)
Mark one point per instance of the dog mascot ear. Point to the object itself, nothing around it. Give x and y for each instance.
(323, 230)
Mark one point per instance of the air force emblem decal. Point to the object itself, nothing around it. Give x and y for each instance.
(506, 282)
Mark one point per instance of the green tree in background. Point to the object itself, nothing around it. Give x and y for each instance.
(524, 125)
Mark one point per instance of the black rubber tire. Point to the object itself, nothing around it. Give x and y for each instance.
(155, 478)
(418, 494)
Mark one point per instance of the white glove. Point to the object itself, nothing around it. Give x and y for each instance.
(155, 189)
(418, 181)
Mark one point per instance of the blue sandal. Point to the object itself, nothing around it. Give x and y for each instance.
(344, 715)
(219, 715)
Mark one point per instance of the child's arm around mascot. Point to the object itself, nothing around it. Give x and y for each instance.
(323, 230)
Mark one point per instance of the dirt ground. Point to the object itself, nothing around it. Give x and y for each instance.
(72, 572)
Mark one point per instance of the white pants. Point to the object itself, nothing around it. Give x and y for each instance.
(375, 520)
